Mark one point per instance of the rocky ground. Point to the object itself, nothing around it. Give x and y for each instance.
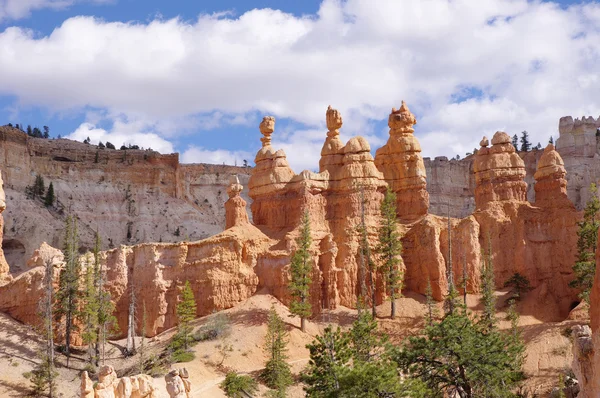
(548, 348)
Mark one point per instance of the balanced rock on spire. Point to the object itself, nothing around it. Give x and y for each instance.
(402, 165)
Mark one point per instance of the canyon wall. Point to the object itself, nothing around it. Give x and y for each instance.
(131, 196)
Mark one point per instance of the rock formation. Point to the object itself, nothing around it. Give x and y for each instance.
(538, 241)
(130, 197)
(178, 383)
(401, 163)
(587, 361)
(235, 207)
(550, 183)
(110, 386)
(499, 172)
(4, 268)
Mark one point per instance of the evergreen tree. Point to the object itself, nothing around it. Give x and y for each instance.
(551, 140)
(101, 145)
(110, 145)
(515, 141)
(29, 130)
(105, 319)
(300, 269)
(46, 132)
(587, 237)
(44, 374)
(49, 198)
(525, 144)
(390, 248)
(488, 288)
(277, 374)
(520, 285)
(38, 188)
(239, 386)
(356, 363)
(186, 313)
(329, 357)
(67, 310)
(90, 311)
(432, 309)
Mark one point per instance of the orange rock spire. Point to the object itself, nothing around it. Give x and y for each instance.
(235, 207)
(402, 165)
(551, 185)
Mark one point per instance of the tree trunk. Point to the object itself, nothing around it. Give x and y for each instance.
(303, 324)
(393, 302)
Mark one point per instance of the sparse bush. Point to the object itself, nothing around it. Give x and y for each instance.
(217, 327)
(182, 356)
(239, 386)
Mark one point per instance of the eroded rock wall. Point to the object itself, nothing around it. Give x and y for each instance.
(130, 197)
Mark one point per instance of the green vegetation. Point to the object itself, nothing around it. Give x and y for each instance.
(186, 313)
(525, 144)
(68, 295)
(389, 249)
(300, 269)
(276, 374)
(50, 197)
(585, 266)
(239, 386)
(519, 284)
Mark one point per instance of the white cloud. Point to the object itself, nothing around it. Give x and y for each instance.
(531, 62)
(17, 9)
(196, 154)
(121, 134)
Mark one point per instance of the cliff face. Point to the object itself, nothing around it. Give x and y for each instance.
(129, 196)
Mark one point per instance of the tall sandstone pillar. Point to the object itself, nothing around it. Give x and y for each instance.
(235, 207)
(402, 165)
(268, 180)
(499, 172)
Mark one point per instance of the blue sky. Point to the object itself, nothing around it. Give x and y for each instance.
(197, 76)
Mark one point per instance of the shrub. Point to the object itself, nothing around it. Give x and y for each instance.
(239, 386)
(182, 356)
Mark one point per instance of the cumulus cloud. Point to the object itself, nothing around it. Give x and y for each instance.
(194, 154)
(121, 134)
(465, 69)
(17, 9)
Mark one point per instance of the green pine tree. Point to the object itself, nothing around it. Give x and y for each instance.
(354, 363)
(68, 294)
(276, 374)
(390, 248)
(186, 313)
(520, 285)
(105, 306)
(515, 141)
(43, 375)
(330, 354)
(90, 311)
(525, 144)
(432, 309)
(300, 269)
(49, 198)
(587, 237)
(488, 289)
